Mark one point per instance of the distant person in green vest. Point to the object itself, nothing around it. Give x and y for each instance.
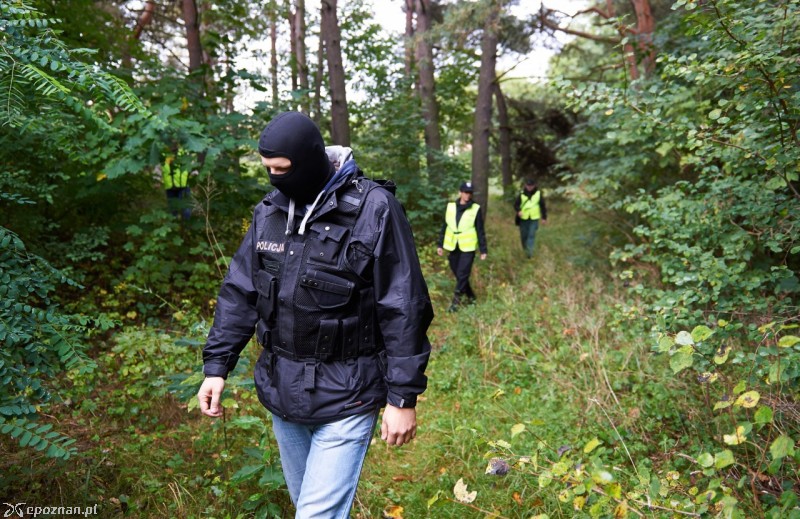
(530, 209)
(175, 180)
(461, 235)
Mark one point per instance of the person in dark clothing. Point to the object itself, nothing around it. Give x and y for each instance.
(531, 209)
(462, 233)
(328, 280)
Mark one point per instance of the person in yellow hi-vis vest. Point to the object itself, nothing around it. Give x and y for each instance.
(175, 181)
(530, 209)
(462, 234)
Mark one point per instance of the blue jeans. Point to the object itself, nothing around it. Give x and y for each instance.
(527, 234)
(322, 463)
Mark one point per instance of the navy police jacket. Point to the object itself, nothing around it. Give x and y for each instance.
(335, 296)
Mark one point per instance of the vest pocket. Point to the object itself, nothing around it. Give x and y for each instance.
(327, 291)
(267, 288)
(326, 242)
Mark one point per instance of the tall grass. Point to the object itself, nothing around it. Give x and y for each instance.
(544, 348)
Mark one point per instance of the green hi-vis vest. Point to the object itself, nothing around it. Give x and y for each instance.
(464, 235)
(529, 206)
(174, 179)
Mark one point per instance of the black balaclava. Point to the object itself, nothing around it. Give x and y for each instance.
(296, 137)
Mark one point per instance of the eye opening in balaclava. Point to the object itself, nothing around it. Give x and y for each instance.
(294, 136)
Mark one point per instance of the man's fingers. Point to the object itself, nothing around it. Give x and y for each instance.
(209, 395)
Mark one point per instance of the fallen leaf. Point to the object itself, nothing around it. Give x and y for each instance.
(461, 493)
(516, 497)
(402, 478)
(393, 512)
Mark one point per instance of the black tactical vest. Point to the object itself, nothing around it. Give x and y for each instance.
(315, 296)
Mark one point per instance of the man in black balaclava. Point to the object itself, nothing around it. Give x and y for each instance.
(340, 307)
(294, 136)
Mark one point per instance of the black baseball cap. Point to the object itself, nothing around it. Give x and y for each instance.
(466, 187)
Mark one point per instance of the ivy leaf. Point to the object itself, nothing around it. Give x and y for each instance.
(682, 359)
(461, 493)
(782, 446)
(748, 400)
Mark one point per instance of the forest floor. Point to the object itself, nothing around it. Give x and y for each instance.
(539, 366)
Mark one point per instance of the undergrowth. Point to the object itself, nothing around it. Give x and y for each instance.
(546, 399)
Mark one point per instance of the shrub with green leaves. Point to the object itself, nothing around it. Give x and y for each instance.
(39, 343)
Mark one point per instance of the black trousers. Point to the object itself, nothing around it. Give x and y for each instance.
(461, 265)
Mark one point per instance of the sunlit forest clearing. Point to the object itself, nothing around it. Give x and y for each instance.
(644, 362)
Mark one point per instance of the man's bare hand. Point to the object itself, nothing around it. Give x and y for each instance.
(399, 426)
(209, 394)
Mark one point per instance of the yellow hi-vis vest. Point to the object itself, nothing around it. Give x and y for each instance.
(529, 207)
(465, 234)
(174, 179)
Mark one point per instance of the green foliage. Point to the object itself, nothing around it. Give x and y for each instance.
(710, 144)
(39, 343)
(36, 66)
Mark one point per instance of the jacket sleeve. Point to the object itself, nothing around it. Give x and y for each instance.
(542, 207)
(235, 316)
(403, 306)
(481, 233)
(517, 203)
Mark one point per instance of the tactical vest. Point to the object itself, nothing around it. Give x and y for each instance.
(529, 205)
(463, 235)
(312, 303)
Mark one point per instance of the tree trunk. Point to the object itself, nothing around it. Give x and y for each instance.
(409, 40)
(300, 53)
(273, 53)
(645, 27)
(505, 138)
(318, 76)
(191, 19)
(143, 21)
(427, 87)
(340, 124)
(483, 109)
(292, 44)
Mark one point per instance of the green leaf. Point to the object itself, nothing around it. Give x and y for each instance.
(591, 445)
(705, 460)
(545, 478)
(788, 341)
(763, 415)
(701, 333)
(682, 359)
(517, 429)
(782, 446)
(245, 473)
(714, 114)
(723, 459)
